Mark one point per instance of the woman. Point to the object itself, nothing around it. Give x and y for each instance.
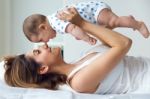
(102, 72)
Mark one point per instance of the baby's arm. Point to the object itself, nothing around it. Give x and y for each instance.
(79, 34)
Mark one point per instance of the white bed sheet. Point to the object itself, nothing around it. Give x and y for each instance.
(7, 92)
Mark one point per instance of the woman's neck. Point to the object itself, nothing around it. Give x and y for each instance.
(63, 68)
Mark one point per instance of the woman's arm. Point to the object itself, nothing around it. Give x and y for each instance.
(88, 79)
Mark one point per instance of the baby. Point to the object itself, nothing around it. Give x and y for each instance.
(41, 28)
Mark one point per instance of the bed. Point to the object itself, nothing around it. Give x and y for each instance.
(7, 92)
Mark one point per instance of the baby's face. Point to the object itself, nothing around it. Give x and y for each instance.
(44, 34)
(47, 34)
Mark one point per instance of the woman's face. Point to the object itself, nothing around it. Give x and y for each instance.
(45, 55)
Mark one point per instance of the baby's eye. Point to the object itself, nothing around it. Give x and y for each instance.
(36, 52)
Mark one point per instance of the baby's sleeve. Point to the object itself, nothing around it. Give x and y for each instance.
(58, 25)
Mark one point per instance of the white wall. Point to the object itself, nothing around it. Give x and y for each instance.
(138, 8)
(13, 12)
(1, 28)
(4, 27)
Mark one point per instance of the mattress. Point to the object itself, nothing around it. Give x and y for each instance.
(7, 92)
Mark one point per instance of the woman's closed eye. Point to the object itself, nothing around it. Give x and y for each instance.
(36, 52)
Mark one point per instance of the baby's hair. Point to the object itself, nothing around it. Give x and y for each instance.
(31, 23)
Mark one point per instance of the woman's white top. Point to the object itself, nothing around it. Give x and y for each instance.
(130, 75)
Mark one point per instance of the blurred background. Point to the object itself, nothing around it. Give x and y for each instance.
(13, 13)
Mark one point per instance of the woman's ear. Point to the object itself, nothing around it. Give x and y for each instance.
(43, 69)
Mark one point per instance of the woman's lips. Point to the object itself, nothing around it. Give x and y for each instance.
(49, 49)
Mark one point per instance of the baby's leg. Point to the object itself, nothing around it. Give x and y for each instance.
(111, 20)
(79, 34)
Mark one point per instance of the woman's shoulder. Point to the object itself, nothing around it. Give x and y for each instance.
(90, 55)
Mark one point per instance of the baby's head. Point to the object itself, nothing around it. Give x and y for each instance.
(36, 28)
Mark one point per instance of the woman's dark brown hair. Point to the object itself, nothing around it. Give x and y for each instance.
(23, 72)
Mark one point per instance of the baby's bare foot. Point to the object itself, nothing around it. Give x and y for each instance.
(143, 30)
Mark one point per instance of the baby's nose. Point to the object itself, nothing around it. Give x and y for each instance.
(45, 45)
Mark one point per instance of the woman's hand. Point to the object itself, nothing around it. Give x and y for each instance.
(70, 14)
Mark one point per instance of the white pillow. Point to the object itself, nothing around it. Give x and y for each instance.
(2, 71)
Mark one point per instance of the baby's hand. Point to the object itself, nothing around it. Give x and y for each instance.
(92, 41)
(88, 39)
(70, 14)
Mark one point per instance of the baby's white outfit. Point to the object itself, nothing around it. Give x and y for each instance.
(131, 75)
(87, 10)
